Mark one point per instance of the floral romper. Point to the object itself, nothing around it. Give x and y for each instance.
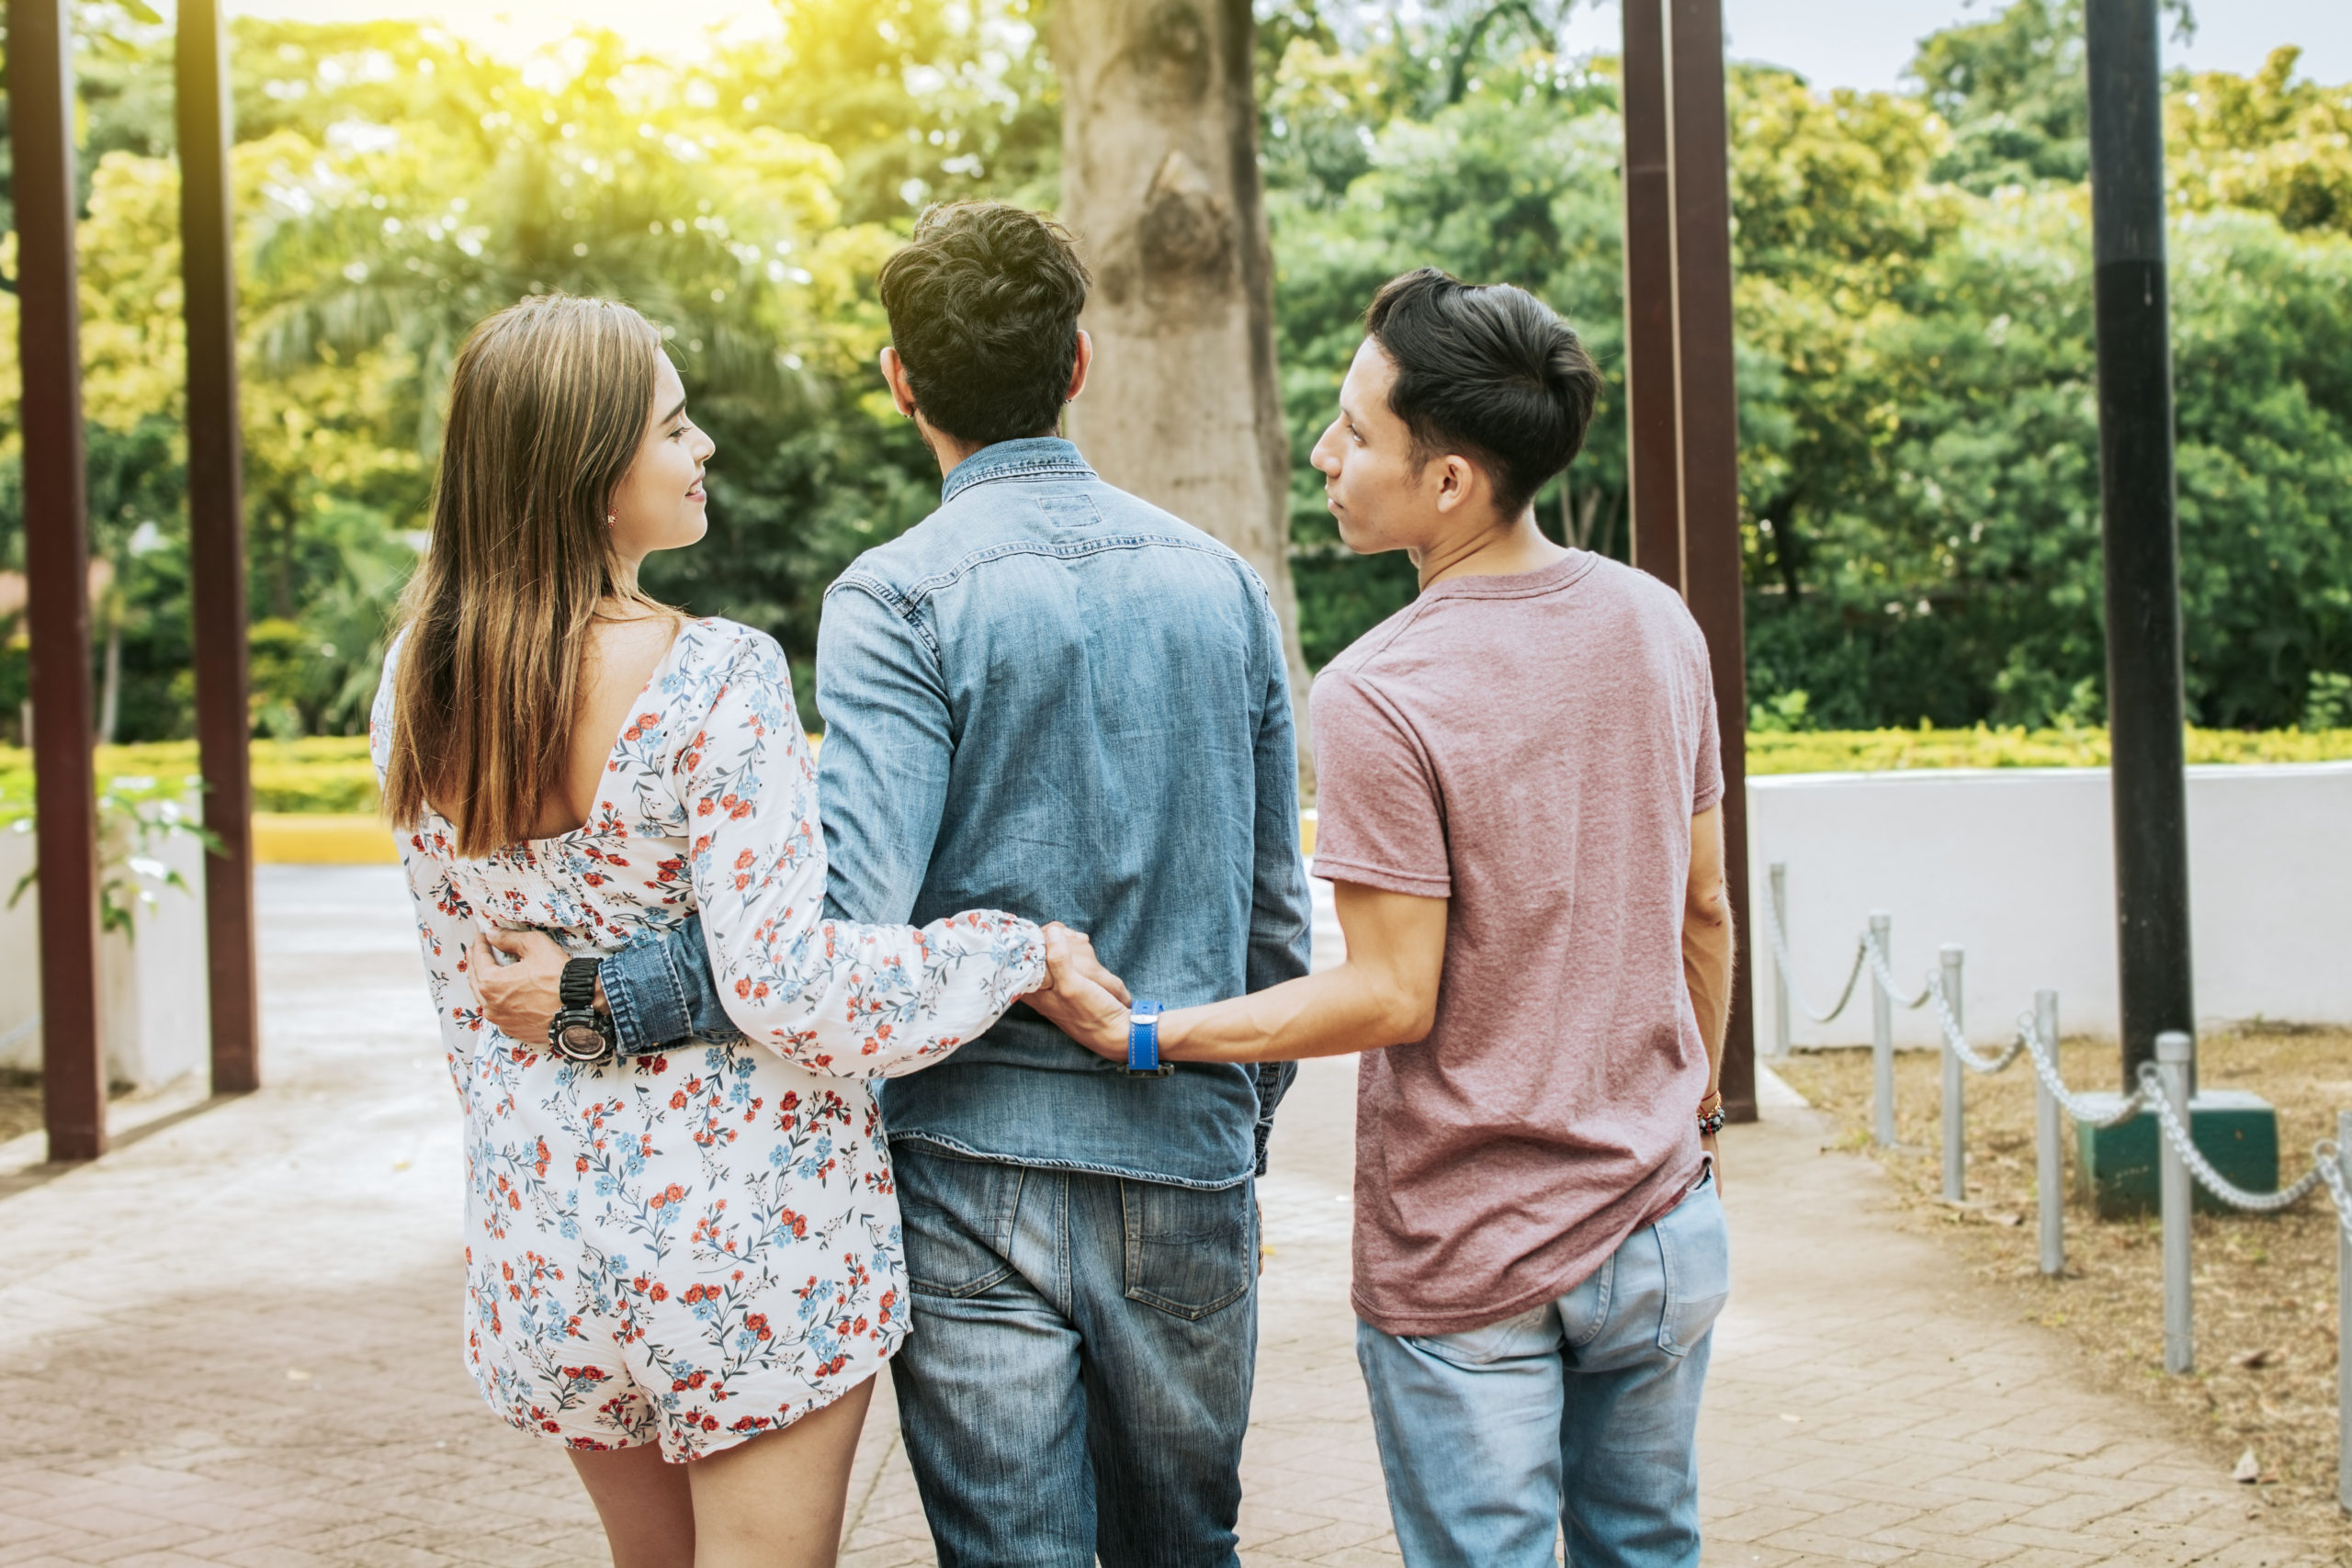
(702, 1244)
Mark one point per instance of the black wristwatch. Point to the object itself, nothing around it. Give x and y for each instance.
(579, 1032)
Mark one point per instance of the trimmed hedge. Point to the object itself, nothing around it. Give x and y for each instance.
(1886, 751)
(325, 773)
(331, 773)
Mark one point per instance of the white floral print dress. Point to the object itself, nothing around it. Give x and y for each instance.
(699, 1246)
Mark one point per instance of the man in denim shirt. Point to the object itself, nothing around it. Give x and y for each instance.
(1053, 698)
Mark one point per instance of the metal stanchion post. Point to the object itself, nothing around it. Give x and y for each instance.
(1955, 1088)
(1881, 1033)
(2343, 1324)
(2049, 1147)
(1782, 979)
(2173, 1052)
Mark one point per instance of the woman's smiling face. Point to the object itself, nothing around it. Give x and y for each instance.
(659, 504)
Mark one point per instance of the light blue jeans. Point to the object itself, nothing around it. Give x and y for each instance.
(1579, 1415)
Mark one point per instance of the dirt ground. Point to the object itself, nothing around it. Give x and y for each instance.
(19, 1104)
(2265, 1285)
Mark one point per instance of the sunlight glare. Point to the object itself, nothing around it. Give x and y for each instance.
(516, 29)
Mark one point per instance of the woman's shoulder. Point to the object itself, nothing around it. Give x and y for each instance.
(714, 643)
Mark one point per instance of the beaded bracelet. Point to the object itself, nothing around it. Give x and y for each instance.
(1710, 1122)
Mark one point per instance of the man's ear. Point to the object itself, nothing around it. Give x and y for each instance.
(894, 372)
(1085, 362)
(1457, 481)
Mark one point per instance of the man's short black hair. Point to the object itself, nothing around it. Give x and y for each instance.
(1488, 372)
(983, 304)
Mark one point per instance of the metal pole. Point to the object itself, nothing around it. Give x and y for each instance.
(2343, 1322)
(1714, 574)
(2135, 429)
(57, 573)
(1955, 1088)
(2173, 1055)
(1882, 1033)
(217, 545)
(1779, 976)
(2048, 1145)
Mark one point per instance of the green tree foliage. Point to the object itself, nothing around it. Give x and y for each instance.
(1514, 181)
(1915, 356)
(395, 184)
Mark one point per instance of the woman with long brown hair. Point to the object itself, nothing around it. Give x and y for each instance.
(691, 1255)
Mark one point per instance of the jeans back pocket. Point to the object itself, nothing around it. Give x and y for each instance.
(1695, 1244)
(957, 1218)
(1189, 1252)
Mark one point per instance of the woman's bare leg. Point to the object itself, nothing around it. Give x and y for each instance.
(776, 1501)
(645, 1505)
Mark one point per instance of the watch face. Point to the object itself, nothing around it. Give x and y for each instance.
(583, 1042)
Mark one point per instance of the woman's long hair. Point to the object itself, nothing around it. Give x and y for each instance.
(548, 406)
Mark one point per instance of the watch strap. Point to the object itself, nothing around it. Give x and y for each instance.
(577, 987)
(1142, 1040)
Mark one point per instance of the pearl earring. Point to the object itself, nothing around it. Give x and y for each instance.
(611, 518)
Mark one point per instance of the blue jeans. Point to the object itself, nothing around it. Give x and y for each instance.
(1077, 1380)
(1579, 1415)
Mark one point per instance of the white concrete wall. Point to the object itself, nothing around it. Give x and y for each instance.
(2017, 865)
(154, 991)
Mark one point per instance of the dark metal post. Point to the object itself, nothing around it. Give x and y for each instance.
(2135, 441)
(1713, 580)
(1654, 455)
(217, 543)
(57, 573)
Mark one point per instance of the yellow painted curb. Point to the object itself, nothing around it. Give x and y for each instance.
(295, 839)
(282, 838)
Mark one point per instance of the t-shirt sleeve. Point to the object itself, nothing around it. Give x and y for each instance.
(1380, 820)
(1707, 779)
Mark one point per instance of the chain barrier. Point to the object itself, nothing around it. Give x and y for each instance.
(1957, 1043)
(1789, 970)
(2331, 1176)
(2039, 1047)
(1885, 973)
(2043, 1054)
(2153, 1095)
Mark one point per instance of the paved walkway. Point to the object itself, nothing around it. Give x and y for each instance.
(234, 1342)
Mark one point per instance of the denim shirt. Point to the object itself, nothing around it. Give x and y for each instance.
(1051, 698)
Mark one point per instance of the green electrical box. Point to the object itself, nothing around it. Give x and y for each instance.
(2115, 1168)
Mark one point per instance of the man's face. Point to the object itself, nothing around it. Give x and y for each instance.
(1381, 498)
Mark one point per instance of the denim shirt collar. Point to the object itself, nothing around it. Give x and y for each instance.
(1024, 458)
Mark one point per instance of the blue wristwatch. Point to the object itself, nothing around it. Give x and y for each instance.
(1143, 1041)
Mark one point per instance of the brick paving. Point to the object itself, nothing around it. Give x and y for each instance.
(234, 1342)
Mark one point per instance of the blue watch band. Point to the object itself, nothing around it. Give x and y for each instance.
(1143, 1041)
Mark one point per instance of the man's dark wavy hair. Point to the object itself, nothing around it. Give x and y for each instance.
(983, 304)
(1488, 372)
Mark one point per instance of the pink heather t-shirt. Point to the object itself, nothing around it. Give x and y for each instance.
(1533, 749)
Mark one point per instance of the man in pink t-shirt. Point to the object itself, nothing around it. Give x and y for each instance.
(1521, 811)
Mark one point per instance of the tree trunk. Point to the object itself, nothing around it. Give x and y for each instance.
(1160, 183)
